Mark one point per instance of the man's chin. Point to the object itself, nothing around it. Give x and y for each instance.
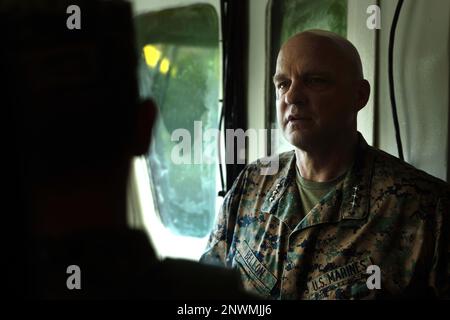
(300, 141)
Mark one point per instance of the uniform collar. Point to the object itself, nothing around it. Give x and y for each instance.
(349, 201)
(357, 184)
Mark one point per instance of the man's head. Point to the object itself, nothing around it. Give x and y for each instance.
(76, 90)
(75, 98)
(320, 89)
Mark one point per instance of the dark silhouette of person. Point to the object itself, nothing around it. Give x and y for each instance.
(78, 123)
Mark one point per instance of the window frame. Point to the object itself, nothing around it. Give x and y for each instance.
(143, 211)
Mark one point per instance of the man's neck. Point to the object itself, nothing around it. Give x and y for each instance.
(326, 164)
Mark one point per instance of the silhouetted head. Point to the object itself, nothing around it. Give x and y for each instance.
(319, 87)
(76, 101)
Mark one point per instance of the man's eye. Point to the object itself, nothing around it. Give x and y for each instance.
(317, 81)
(282, 85)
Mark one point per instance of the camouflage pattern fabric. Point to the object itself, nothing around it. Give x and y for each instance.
(384, 212)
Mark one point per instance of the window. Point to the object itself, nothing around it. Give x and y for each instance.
(288, 17)
(180, 70)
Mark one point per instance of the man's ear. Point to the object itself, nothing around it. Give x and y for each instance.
(145, 119)
(363, 94)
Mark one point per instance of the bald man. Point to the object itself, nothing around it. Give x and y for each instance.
(340, 219)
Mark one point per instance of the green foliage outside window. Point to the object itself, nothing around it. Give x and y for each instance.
(179, 69)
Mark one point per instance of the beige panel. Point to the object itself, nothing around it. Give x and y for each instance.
(364, 40)
(421, 73)
(256, 74)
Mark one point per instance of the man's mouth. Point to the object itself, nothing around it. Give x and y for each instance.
(296, 119)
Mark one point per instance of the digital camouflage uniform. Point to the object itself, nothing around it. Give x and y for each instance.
(384, 212)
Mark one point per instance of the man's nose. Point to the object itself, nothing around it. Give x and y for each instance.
(295, 95)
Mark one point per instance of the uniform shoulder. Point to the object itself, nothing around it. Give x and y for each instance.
(282, 158)
(403, 173)
(272, 165)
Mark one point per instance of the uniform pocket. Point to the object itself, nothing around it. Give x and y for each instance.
(344, 282)
(356, 290)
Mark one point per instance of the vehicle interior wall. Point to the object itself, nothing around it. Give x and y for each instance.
(421, 73)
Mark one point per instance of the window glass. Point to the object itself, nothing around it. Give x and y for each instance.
(289, 17)
(180, 69)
